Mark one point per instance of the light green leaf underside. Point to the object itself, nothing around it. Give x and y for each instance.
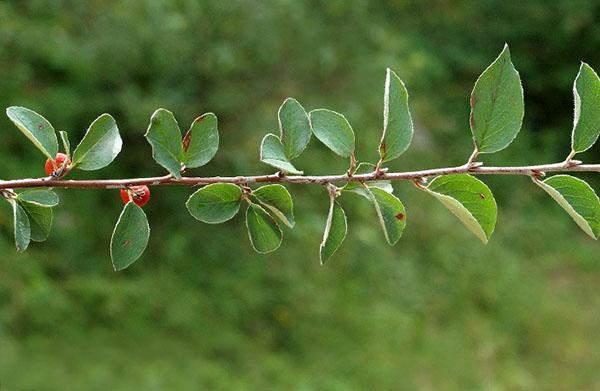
(216, 203)
(397, 122)
(40, 220)
(40, 197)
(36, 128)
(64, 138)
(333, 130)
(578, 199)
(586, 123)
(469, 199)
(497, 105)
(265, 235)
(390, 213)
(100, 145)
(278, 201)
(294, 127)
(201, 142)
(165, 138)
(358, 188)
(335, 231)
(22, 228)
(273, 154)
(130, 237)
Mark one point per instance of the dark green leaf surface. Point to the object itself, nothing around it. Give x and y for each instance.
(390, 213)
(497, 106)
(42, 197)
(215, 203)
(22, 229)
(294, 126)
(586, 124)
(130, 237)
(201, 142)
(333, 130)
(36, 128)
(397, 122)
(278, 201)
(100, 145)
(469, 199)
(578, 199)
(273, 154)
(335, 231)
(40, 220)
(165, 138)
(265, 234)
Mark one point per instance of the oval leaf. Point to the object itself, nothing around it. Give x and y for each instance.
(201, 142)
(22, 229)
(130, 237)
(294, 126)
(469, 199)
(497, 106)
(40, 220)
(278, 201)
(333, 130)
(215, 203)
(165, 138)
(397, 122)
(586, 124)
(390, 212)
(578, 199)
(265, 234)
(335, 231)
(100, 145)
(41, 197)
(273, 154)
(36, 128)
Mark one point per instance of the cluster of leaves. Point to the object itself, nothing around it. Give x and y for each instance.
(497, 110)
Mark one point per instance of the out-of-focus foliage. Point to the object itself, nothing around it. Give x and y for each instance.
(201, 309)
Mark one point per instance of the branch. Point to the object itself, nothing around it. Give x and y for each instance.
(535, 171)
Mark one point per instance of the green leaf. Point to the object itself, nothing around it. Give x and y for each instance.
(40, 197)
(36, 128)
(278, 201)
(100, 145)
(40, 220)
(165, 138)
(390, 212)
(359, 188)
(497, 106)
(273, 154)
(130, 237)
(469, 199)
(578, 199)
(215, 203)
(64, 137)
(586, 125)
(294, 126)
(22, 229)
(397, 122)
(333, 130)
(265, 234)
(335, 231)
(201, 142)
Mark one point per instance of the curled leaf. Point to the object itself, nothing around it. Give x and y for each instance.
(273, 154)
(397, 122)
(390, 213)
(278, 201)
(335, 230)
(586, 122)
(265, 235)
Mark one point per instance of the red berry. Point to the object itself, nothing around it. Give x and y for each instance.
(140, 195)
(60, 159)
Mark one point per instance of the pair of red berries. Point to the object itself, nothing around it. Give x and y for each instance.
(140, 195)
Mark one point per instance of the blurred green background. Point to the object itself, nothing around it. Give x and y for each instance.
(201, 310)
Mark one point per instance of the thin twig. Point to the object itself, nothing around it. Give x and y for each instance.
(301, 179)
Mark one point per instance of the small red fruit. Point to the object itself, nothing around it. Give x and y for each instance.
(60, 159)
(140, 195)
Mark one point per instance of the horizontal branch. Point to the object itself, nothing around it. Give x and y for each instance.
(536, 170)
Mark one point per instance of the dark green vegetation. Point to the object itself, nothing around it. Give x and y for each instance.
(438, 311)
